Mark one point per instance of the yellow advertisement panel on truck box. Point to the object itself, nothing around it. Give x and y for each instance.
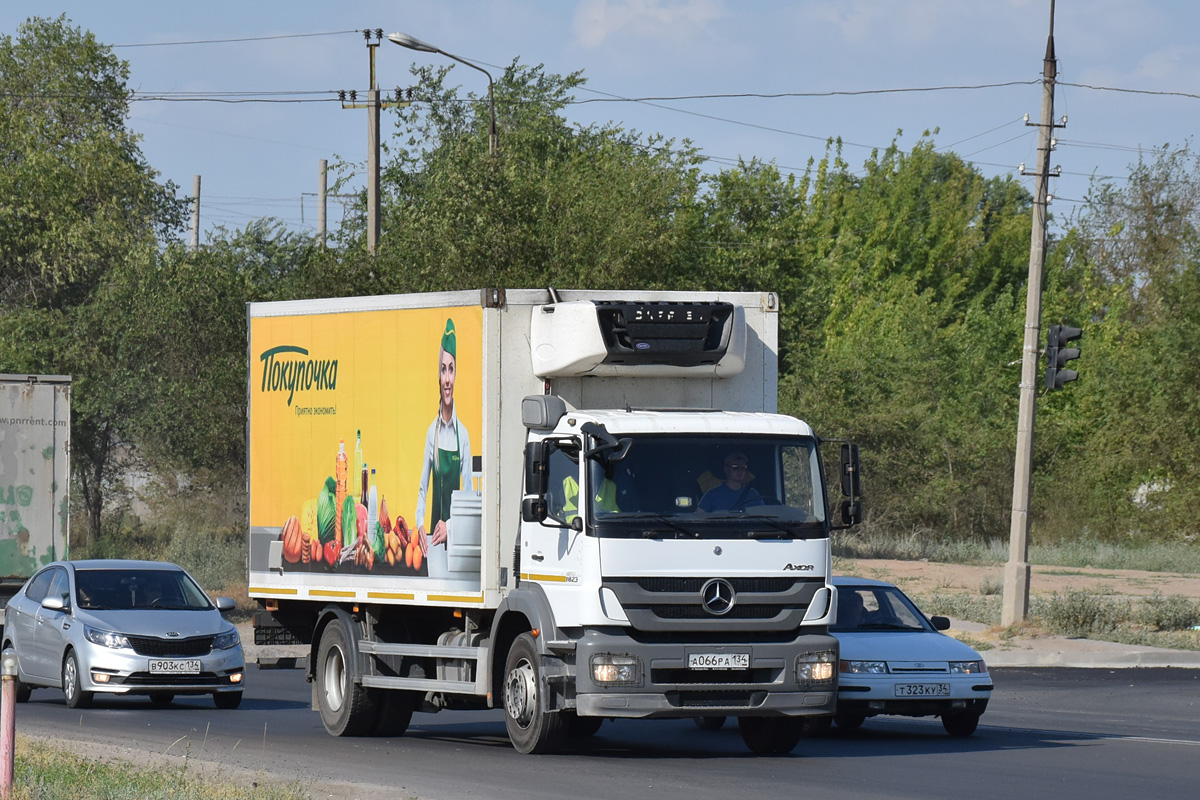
(364, 427)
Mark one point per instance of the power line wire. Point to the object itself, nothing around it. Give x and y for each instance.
(243, 39)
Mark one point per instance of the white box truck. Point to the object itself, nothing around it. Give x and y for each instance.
(35, 475)
(572, 505)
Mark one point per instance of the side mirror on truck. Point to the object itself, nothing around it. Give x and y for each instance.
(851, 485)
(533, 506)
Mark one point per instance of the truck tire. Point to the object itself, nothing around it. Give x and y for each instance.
(709, 723)
(347, 708)
(530, 729)
(395, 712)
(582, 727)
(849, 721)
(771, 735)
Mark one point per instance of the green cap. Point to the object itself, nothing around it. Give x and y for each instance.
(448, 339)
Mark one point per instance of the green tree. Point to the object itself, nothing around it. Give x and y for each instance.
(75, 193)
(77, 201)
(593, 206)
(918, 261)
(1122, 444)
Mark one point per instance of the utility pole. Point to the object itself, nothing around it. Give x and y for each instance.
(322, 188)
(373, 105)
(1015, 606)
(195, 244)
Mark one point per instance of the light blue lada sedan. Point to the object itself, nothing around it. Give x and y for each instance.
(895, 660)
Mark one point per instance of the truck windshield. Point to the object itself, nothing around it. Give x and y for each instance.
(681, 486)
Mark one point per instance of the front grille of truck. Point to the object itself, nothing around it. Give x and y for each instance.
(676, 604)
(716, 699)
(683, 676)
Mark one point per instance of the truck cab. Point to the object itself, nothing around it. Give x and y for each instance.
(684, 557)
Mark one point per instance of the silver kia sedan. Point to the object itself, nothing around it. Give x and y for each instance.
(123, 627)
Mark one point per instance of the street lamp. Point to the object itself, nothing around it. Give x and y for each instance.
(413, 43)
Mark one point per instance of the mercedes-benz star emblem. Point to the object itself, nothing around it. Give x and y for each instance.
(717, 596)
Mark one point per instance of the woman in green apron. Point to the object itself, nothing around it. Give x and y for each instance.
(447, 450)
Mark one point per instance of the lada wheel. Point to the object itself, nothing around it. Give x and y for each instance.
(347, 709)
(771, 735)
(530, 729)
(962, 724)
(71, 683)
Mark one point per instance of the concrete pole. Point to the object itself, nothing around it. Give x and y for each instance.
(195, 214)
(373, 223)
(1015, 605)
(322, 189)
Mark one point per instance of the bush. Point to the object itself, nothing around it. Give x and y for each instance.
(1174, 613)
(1080, 612)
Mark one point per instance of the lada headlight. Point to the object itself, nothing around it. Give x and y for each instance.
(117, 641)
(967, 668)
(863, 667)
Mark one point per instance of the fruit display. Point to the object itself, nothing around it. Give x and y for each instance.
(334, 531)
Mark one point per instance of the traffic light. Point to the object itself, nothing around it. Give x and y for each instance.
(1057, 356)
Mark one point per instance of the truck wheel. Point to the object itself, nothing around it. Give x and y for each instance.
(347, 709)
(709, 723)
(530, 729)
(960, 724)
(771, 735)
(582, 727)
(395, 712)
(849, 722)
(72, 688)
(817, 726)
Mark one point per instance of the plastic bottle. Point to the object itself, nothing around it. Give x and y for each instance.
(372, 507)
(358, 459)
(362, 498)
(340, 470)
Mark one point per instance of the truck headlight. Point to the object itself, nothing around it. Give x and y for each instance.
(863, 667)
(967, 667)
(611, 669)
(117, 641)
(814, 671)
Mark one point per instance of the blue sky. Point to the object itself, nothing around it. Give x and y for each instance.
(261, 159)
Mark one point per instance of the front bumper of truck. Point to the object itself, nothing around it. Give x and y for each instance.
(618, 676)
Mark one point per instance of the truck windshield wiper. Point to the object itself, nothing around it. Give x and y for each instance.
(664, 520)
(781, 531)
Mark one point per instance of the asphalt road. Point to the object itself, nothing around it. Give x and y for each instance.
(1067, 733)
